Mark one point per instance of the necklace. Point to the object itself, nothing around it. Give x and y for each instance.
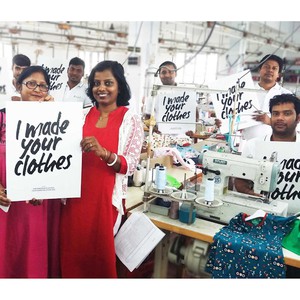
(102, 118)
(105, 117)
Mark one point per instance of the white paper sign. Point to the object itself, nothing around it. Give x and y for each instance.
(176, 111)
(43, 154)
(288, 184)
(57, 71)
(236, 100)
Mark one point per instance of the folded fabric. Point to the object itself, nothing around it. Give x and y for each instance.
(177, 158)
(292, 240)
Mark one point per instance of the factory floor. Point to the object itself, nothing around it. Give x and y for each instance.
(147, 267)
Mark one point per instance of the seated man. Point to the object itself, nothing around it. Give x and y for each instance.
(285, 116)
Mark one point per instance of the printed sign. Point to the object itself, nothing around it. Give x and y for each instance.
(235, 106)
(43, 156)
(57, 70)
(288, 184)
(176, 111)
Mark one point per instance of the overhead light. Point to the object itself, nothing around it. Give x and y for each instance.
(14, 30)
(122, 34)
(64, 26)
(70, 37)
(40, 42)
(269, 41)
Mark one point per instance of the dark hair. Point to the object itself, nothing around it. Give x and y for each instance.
(285, 98)
(167, 62)
(271, 57)
(33, 69)
(21, 60)
(77, 62)
(117, 70)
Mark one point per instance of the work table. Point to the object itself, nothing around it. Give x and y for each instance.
(201, 229)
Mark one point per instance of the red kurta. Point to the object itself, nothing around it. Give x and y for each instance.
(87, 240)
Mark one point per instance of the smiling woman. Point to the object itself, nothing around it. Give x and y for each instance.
(29, 231)
(111, 148)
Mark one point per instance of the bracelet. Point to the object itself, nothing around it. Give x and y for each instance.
(115, 160)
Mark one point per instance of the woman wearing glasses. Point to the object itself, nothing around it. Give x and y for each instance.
(24, 229)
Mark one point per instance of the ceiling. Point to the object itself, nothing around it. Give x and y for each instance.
(188, 37)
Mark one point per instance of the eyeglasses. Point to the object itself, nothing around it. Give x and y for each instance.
(32, 85)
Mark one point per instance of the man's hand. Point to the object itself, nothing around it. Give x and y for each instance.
(262, 117)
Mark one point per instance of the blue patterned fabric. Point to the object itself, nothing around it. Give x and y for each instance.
(250, 249)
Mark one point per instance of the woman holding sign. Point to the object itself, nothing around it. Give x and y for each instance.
(24, 226)
(111, 145)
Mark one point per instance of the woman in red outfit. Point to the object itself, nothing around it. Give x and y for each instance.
(111, 145)
(24, 228)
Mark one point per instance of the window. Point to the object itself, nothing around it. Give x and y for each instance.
(200, 70)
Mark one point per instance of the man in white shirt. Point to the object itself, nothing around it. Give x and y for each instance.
(270, 68)
(285, 116)
(75, 89)
(167, 72)
(19, 63)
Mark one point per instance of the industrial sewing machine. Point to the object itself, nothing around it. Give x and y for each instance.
(221, 204)
(216, 202)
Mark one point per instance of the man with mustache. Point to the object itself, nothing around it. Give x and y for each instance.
(270, 69)
(285, 116)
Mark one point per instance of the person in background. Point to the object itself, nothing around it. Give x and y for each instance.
(19, 63)
(24, 238)
(111, 145)
(285, 116)
(270, 68)
(167, 73)
(75, 89)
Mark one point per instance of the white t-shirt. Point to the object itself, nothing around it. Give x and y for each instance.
(76, 94)
(263, 99)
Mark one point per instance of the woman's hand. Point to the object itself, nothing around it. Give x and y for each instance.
(4, 201)
(35, 202)
(90, 143)
(48, 98)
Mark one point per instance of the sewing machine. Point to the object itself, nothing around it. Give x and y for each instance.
(222, 203)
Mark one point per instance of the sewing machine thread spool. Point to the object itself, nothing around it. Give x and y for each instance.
(174, 210)
(209, 191)
(138, 177)
(160, 178)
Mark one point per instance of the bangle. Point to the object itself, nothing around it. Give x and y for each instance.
(115, 160)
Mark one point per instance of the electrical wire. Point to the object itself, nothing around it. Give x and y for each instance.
(135, 43)
(201, 48)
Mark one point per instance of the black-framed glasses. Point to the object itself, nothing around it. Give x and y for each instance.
(32, 85)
